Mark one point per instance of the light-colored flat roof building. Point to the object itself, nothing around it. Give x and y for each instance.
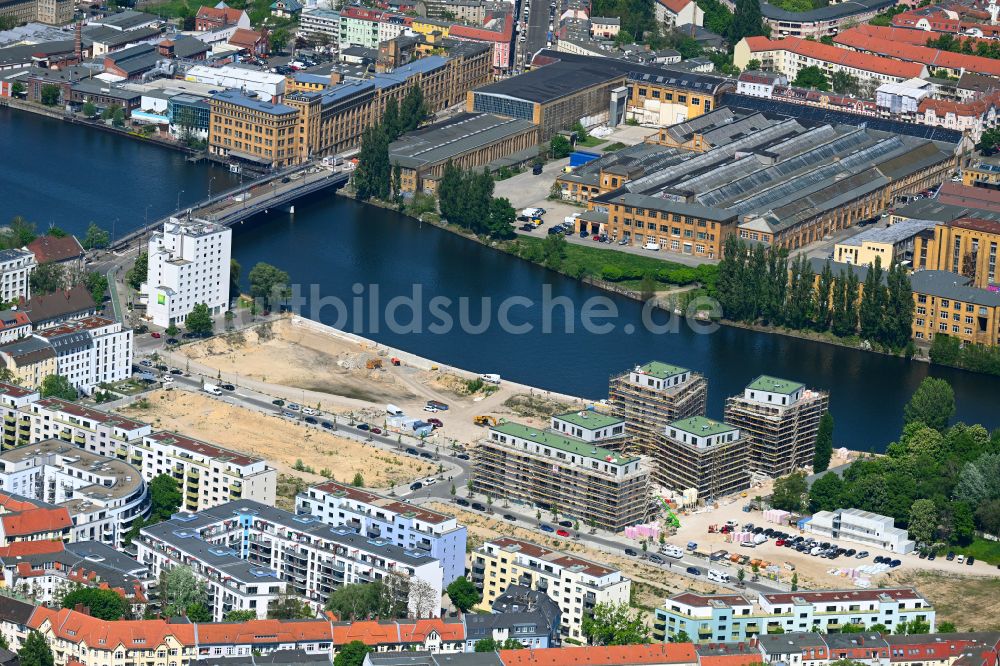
(859, 526)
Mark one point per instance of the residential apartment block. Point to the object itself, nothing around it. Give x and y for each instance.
(575, 584)
(16, 266)
(16, 424)
(733, 617)
(270, 550)
(103, 496)
(966, 246)
(207, 474)
(592, 484)
(23, 519)
(704, 455)
(650, 396)
(188, 264)
(781, 419)
(91, 351)
(377, 517)
(864, 527)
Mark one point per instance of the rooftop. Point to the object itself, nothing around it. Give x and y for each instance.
(439, 142)
(944, 284)
(892, 234)
(654, 654)
(589, 419)
(201, 448)
(390, 505)
(701, 426)
(514, 545)
(660, 370)
(563, 443)
(774, 385)
(239, 99)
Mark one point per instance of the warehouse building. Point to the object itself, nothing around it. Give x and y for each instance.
(471, 141)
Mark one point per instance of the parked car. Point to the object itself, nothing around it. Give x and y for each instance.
(950, 556)
(227, 387)
(630, 552)
(547, 528)
(172, 341)
(970, 560)
(327, 425)
(176, 371)
(656, 559)
(376, 431)
(463, 456)
(562, 533)
(312, 420)
(536, 170)
(437, 423)
(462, 502)
(413, 452)
(426, 454)
(431, 409)
(145, 363)
(694, 571)
(279, 403)
(862, 555)
(509, 516)
(478, 506)
(416, 485)
(363, 426)
(294, 406)
(309, 411)
(155, 335)
(566, 523)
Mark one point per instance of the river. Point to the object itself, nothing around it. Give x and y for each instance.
(69, 175)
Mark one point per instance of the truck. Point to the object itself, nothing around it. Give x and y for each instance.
(718, 576)
(211, 389)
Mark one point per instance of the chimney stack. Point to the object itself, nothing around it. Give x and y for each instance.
(78, 42)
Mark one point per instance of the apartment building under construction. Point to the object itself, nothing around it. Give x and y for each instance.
(552, 470)
(704, 455)
(781, 419)
(649, 397)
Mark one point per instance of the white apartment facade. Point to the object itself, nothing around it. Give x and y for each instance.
(314, 21)
(575, 584)
(863, 527)
(104, 496)
(188, 264)
(91, 351)
(16, 266)
(93, 430)
(309, 558)
(407, 525)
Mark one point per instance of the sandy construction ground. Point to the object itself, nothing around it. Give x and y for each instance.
(278, 441)
(298, 362)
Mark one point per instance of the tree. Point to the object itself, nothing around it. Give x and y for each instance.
(240, 616)
(102, 604)
(413, 110)
(492, 645)
(747, 21)
(352, 654)
(234, 278)
(289, 607)
(89, 110)
(824, 443)
(811, 77)
(826, 493)
(17, 89)
(35, 651)
(463, 594)
(789, 492)
(358, 481)
(872, 310)
(179, 591)
(164, 497)
(268, 283)
(50, 94)
(680, 637)
(58, 386)
(198, 612)
(136, 275)
(845, 83)
(988, 516)
(559, 147)
(795, 582)
(372, 177)
(366, 601)
(615, 624)
(502, 219)
(199, 320)
(946, 628)
(923, 520)
(47, 278)
(95, 238)
(933, 403)
(97, 285)
(391, 119)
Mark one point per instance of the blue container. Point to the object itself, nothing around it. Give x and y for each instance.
(580, 157)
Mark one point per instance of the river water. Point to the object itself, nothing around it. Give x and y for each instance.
(343, 257)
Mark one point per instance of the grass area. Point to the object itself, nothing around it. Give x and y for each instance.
(127, 387)
(612, 147)
(172, 8)
(967, 601)
(589, 142)
(981, 549)
(601, 262)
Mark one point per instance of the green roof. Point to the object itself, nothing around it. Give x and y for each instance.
(661, 370)
(561, 442)
(589, 419)
(701, 426)
(774, 385)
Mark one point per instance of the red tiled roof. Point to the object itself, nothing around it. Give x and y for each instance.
(942, 107)
(15, 319)
(225, 14)
(24, 548)
(933, 58)
(676, 6)
(976, 224)
(245, 38)
(257, 631)
(843, 57)
(729, 659)
(25, 518)
(202, 448)
(50, 248)
(656, 653)
(104, 418)
(460, 31)
(14, 391)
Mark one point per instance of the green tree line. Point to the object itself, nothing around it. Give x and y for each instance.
(466, 199)
(757, 285)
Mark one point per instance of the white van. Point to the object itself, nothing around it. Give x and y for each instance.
(672, 551)
(212, 389)
(491, 378)
(393, 410)
(718, 576)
